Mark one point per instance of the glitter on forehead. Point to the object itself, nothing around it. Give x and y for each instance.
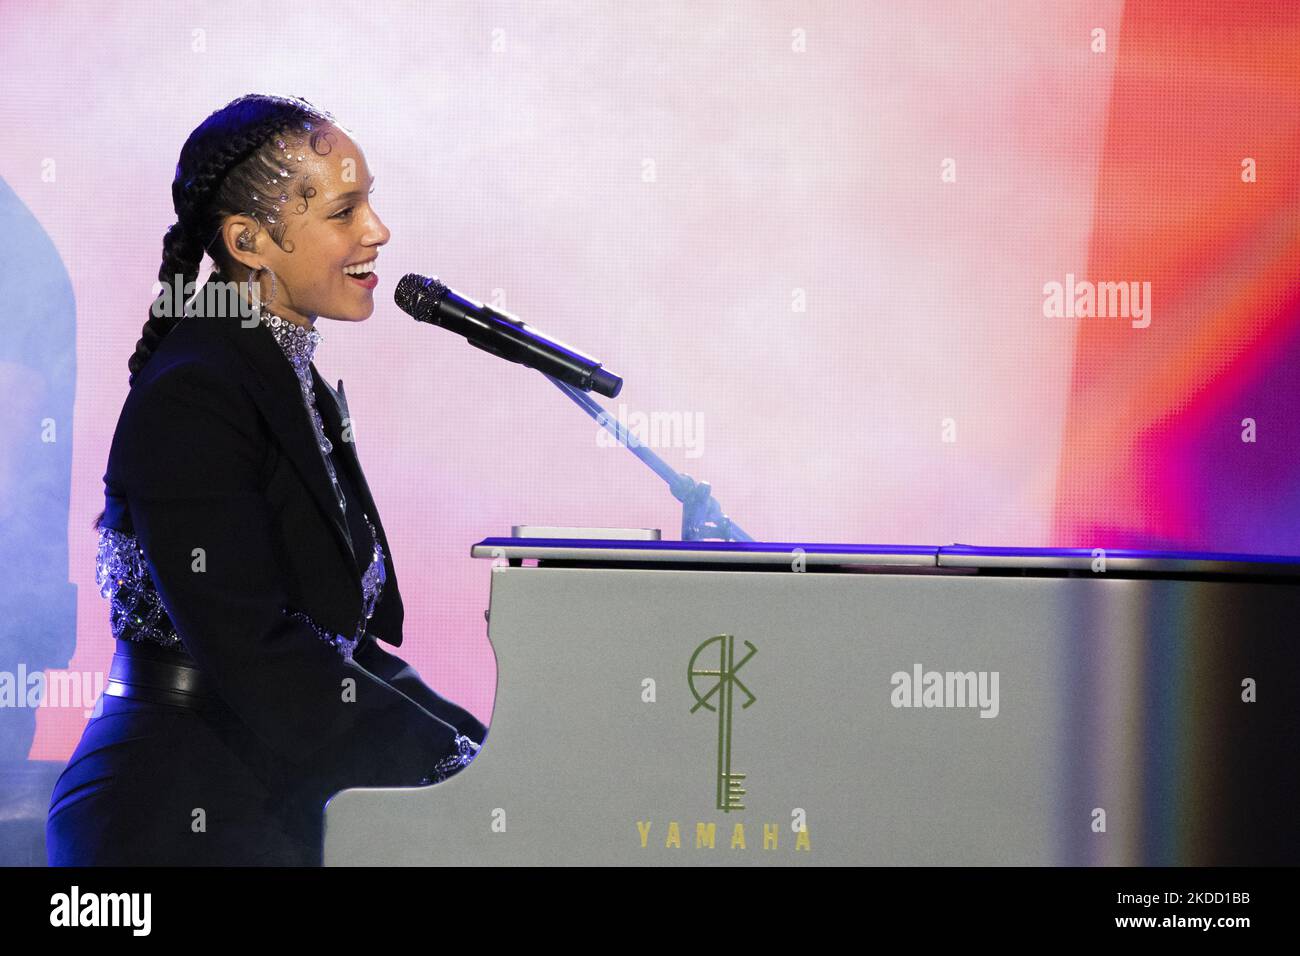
(274, 172)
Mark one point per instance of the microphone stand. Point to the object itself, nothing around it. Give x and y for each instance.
(702, 516)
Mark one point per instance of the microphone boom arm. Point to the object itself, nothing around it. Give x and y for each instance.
(702, 516)
(429, 300)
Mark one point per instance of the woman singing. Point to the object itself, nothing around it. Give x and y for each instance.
(249, 576)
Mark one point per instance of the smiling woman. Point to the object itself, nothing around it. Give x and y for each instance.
(320, 209)
(248, 573)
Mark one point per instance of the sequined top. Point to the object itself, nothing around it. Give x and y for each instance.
(136, 611)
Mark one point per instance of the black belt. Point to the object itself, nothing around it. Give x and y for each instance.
(144, 672)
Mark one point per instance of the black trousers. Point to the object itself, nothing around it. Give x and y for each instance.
(160, 785)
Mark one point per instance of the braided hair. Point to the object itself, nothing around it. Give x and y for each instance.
(234, 163)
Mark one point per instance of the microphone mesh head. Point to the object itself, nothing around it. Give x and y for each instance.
(416, 295)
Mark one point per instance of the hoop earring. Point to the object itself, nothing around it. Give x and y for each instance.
(252, 280)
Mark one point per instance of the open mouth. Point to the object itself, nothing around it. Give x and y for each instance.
(363, 274)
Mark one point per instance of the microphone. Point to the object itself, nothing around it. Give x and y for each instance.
(428, 300)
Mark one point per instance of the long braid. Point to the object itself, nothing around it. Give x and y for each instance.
(181, 256)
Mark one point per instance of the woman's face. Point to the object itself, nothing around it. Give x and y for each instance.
(331, 227)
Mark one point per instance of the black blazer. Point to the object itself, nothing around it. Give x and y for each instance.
(214, 466)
